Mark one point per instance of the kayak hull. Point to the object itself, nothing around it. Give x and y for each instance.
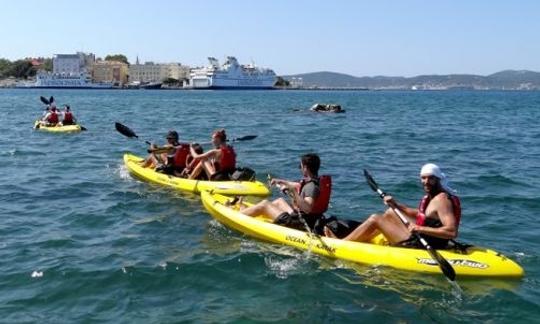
(58, 129)
(236, 188)
(475, 262)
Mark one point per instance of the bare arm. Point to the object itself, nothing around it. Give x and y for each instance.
(205, 156)
(390, 202)
(305, 204)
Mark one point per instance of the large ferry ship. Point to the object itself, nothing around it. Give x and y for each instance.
(231, 75)
(64, 81)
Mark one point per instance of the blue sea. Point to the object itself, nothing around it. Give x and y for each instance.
(82, 241)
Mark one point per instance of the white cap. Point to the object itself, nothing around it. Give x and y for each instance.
(431, 169)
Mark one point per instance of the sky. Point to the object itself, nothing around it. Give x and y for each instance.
(360, 38)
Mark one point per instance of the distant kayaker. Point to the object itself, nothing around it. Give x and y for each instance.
(51, 118)
(219, 163)
(68, 118)
(310, 198)
(436, 219)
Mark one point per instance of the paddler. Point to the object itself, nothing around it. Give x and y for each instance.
(310, 198)
(219, 163)
(170, 158)
(51, 118)
(436, 219)
(68, 118)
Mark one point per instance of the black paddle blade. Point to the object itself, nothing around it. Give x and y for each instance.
(124, 130)
(44, 100)
(371, 182)
(245, 138)
(445, 266)
(83, 128)
(51, 100)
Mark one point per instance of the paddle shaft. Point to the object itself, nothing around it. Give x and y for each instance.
(405, 221)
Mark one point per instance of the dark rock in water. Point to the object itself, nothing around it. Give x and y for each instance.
(333, 108)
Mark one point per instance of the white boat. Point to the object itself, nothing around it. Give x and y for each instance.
(64, 81)
(231, 75)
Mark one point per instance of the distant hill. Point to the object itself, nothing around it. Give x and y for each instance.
(507, 80)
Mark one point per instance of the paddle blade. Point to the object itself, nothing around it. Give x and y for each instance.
(124, 130)
(51, 100)
(83, 128)
(244, 138)
(44, 100)
(371, 182)
(445, 266)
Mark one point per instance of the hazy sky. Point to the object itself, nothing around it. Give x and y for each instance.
(362, 38)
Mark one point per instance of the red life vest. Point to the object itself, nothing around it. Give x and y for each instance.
(68, 118)
(324, 182)
(227, 161)
(421, 216)
(53, 118)
(180, 155)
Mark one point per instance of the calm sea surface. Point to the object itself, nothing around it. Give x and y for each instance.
(82, 241)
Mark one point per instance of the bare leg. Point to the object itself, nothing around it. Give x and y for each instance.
(208, 168)
(196, 171)
(266, 208)
(149, 161)
(388, 224)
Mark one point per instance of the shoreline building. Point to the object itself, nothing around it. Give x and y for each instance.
(70, 71)
(115, 72)
(73, 64)
(157, 72)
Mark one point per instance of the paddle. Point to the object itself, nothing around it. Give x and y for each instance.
(446, 268)
(236, 139)
(44, 100)
(128, 132)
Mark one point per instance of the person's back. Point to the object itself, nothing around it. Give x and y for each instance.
(68, 119)
(52, 117)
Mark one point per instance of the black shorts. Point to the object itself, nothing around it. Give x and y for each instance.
(169, 169)
(293, 220)
(221, 176)
(434, 242)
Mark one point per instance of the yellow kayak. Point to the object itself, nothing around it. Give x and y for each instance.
(58, 128)
(237, 188)
(475, 262)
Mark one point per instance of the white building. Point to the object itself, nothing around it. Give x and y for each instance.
(73, 64)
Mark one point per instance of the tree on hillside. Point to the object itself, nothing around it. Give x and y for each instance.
(5, 67)
(117, 57)
(22, 69)
(280, 82)
(47, 64)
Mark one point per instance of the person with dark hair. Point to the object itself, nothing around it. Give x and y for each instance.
(192, 163)
(310, 198)
(170, 158)
(68, 118)
(219, 163)
(51, 118)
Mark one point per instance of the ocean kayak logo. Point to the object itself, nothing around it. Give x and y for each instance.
(319, 245)
(455, 262)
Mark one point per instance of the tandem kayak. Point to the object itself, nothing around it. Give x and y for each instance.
(473, 262)
(243, 188)
(58, 128)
